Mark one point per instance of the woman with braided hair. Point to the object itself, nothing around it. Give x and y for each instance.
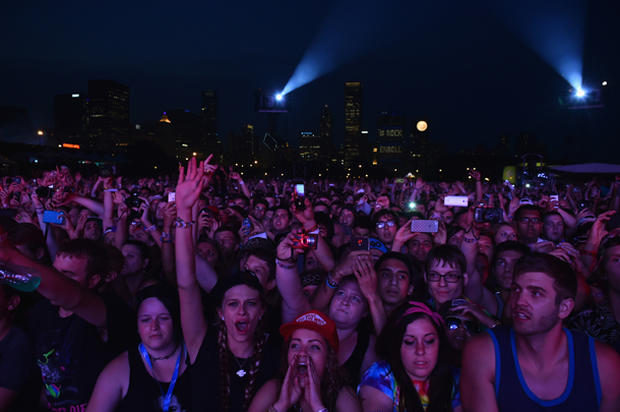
(231, 361)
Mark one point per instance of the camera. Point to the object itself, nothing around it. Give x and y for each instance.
(133, 202)
(304, 241)
(488, 214)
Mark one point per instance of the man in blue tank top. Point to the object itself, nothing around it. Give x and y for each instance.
(537, 365)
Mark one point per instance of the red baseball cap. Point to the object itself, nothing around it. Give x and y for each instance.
(316, 321)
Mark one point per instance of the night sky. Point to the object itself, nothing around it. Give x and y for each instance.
(471, 70)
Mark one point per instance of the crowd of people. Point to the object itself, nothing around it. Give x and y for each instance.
(208, 292)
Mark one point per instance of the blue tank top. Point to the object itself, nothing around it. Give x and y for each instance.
(583, 389)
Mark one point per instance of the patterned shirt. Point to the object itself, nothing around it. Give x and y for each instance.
(380, 377)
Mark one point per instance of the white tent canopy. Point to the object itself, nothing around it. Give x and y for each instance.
(588, 168)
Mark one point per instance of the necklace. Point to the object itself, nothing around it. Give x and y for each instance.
(241, 371)
(165, 356)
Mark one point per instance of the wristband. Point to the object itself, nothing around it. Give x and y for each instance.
(110, 190)
(150, 228)
(330, 283)
(282, 264)
(182, 224)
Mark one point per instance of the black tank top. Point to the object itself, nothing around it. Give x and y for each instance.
(583, 389)
(144, 392)
(354, 363)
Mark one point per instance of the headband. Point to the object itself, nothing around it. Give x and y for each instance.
(418, 307)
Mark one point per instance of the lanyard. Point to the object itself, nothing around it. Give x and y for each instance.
(168, 396)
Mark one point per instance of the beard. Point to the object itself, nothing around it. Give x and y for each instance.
(538, 324)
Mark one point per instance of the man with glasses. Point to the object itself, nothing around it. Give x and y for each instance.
(385, 226)
(445, 274)
(529, 224)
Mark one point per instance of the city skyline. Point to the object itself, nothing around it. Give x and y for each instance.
(464, 71)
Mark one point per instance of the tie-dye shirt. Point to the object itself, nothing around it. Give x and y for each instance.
(380, 377)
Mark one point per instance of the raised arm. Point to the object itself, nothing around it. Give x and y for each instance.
(474, 289)
(90, 204)
(58, 288)
(193, 321)
(288, 281)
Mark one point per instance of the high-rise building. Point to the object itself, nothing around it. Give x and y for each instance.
(70, 117)
(108, 113)
(325, 132)
(390, 132)
(211, 142)
(309, 146)
(352, 123)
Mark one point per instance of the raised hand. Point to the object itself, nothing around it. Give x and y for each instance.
(189, 185)
(364, 271)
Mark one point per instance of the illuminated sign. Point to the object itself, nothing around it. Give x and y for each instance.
(390, 149)
(70, 146)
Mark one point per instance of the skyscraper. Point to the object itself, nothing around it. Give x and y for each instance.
(352, 122)
(70, 117)
(325, 132)
(309, 146)
(390, 133)
(108, 113)
(210, 137)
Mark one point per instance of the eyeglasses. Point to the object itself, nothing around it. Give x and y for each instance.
(530, 220)
(448, 277)
(389, 223)
(455, 323)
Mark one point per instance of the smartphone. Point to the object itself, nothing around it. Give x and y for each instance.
(300, 190)
(246, 225)
(54, 217)
(171, 197)
(554, 198)
(298, 196)
(456, 201)
(425, 226)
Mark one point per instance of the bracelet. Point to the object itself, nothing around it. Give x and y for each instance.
(150, 228)
(322, 410)
(332, 284)
(164, 235)
(182, 224)
(110, 190)
(282, 264)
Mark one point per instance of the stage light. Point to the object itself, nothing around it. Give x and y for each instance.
(580, 93)
(279, 97)
(604, 83)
